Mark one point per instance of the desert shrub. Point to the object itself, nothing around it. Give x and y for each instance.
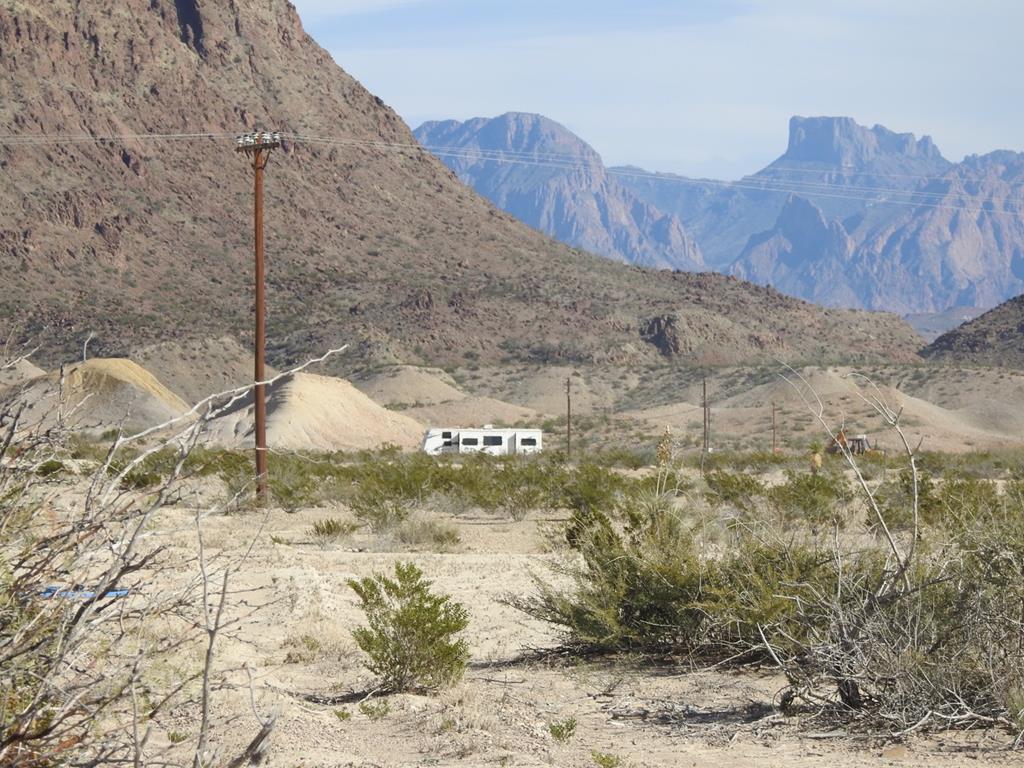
(412, 634)
(50, 467)
(732, 488)
(814, 498)
(632, 588)
(896, 500)
(562, 730)
(332, 529)
(522, 487)
(590, 488)
(379, 510)
(433, 535)
(966, 496)
(605, 759)
(375, 710)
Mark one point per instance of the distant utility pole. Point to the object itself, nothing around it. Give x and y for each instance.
(775, 438)
(707, 418)
(568, 417)
(257, 146)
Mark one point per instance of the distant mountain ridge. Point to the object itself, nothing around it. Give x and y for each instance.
(848, 216)
(559, 185)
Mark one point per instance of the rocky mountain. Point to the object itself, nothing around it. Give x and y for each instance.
(832, 161)
(144, 236)
(847, 216)
(559, 185)
(803, 254)
(994, 338)
(961, 244)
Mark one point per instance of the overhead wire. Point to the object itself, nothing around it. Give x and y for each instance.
(562, 161)
(570, 163)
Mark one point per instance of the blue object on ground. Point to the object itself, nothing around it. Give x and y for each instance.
(79, 594)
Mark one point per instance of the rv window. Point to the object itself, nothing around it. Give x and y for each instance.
(492, 439)
(446, 435)
(528, 441)
(469, 441)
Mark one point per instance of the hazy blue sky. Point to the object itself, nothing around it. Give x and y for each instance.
(703, 87)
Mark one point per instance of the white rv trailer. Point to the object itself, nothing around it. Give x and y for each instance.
(486, 439)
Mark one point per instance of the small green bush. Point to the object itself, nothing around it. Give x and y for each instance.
(433, 535)
(814, 498)
(605, 759)
(562, 731)
(375, 710)
(332, 529)
(412, 638)
(732, 488)
(50, 467)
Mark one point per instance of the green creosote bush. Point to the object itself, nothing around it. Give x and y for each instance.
(332, 529)
(605, 759)
(732, 488)
(50, 468)
(648, 586)
(412, 638)
(809, 497)
(375, 710)
(935, 640)
(562, 730)
(433, 535)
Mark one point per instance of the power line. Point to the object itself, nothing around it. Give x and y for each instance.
(780, 186)
(561, 161)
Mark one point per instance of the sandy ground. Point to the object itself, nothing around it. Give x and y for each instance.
(499, 714)
(945, 408)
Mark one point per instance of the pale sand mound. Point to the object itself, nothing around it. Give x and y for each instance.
(411, 386)
(19, 373)
(101, 394)
(542, 389)
(198, 369)
(317, 413)
(745, 419)
(474, 412)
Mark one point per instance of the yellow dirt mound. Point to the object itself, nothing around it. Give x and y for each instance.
(101, 394)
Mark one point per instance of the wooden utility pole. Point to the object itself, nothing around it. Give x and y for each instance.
(775, 438)
(707, 418)
(568, 417)
(257, 146)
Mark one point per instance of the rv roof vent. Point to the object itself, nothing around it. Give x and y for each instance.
(488, 426)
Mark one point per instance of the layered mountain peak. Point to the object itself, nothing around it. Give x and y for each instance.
(842, 141)
(546, 176)
(517, 138)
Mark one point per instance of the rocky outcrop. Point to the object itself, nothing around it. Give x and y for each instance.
(841, 142)
(994, 338)
(663, 332)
